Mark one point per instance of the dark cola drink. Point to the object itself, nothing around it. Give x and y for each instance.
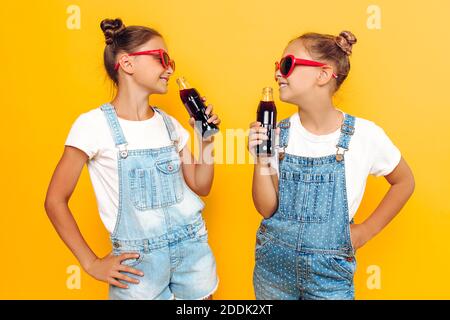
(196, 108)
(267, 116)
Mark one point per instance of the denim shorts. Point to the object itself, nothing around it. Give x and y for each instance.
(283, 273)
(183, 268)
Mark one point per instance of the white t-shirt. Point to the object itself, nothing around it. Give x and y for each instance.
(371, 152)
(91, 134)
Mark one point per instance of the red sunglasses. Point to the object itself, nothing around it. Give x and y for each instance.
(288, 63)
(163, 56)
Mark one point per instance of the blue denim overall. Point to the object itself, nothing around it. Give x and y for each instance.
(304, 250)
(160, 218)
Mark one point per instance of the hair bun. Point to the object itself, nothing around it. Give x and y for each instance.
(345, 40)
(111, 27)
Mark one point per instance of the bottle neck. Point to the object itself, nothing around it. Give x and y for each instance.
(267, 94)
(183, 84)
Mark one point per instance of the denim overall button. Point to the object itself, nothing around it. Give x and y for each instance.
(170, 167)
(263, 228)
(349, 259)
(116, 245)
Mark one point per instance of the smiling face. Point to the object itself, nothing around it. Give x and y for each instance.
(147, 71)
(304, 79)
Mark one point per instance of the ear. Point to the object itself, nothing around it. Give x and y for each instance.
(325, 75)
(126, 63)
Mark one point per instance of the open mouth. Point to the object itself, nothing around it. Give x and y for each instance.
(164, 78)
(282, 84)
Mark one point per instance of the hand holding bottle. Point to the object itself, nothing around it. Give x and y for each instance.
(257, 136)
(266, 115)
(197, 109)
(212, 118)
(262, 136)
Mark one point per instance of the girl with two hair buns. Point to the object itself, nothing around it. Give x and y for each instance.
(146, 181)
(310, 190)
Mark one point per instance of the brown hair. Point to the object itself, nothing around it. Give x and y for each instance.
(335, 49)
(120, 38)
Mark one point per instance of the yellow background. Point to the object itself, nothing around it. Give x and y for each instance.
(50, 74)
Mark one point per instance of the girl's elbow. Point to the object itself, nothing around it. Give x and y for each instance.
(48, 202)
(51, 202)
(408, 186)
(412, 184)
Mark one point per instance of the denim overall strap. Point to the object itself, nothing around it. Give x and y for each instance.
(347, 130)
(169, 125)
(116, 130)
(284, 136)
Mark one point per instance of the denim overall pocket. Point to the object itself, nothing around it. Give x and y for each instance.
(262, 245)
(157, 187)
(307, 197)
(287, 195)
(344, 267)
(318, 193)
(133, 262)
(201, 235)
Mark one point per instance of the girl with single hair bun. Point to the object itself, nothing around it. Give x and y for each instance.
(345, 40)
(146, 181)
(110, 28)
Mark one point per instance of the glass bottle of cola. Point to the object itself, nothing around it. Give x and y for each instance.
(267, 116)
(196, 108)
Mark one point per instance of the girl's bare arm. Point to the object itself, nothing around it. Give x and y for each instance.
(199, 172)
(265, 179)
(402, 187)
(61, 187)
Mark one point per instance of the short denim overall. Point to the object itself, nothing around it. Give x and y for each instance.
(160, 218)
(304, 250)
